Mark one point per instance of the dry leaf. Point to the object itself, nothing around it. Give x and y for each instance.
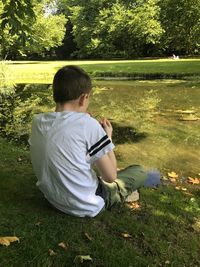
(19, 159)
(164, 178)
(51, 252)
(193, 180)
(133, 205)
(126, 235)
(6, 240)
(181, 188)
(87, 236)
(63, 245)
(173, 175)
(81, 258)
(173, 180)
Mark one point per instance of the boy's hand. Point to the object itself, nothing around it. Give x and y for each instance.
(107, 127)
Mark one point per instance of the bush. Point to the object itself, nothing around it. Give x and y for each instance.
(17, 109)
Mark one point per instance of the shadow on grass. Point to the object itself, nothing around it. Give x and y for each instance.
(126, 134)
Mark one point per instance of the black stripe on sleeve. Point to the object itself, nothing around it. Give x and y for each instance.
(99, 148)
(98, 143)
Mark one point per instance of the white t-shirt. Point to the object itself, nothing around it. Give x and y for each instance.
(63, 147)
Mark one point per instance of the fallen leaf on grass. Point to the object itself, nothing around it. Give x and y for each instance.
(172, 176)
(173, 180)
(164, 178)
(133, 205)
(193, 180)
(79, 259)
(63, 245)
(19, 159)
(126, 235)
(87, 236)
(6, 240)
(52, 253)
(181, 188)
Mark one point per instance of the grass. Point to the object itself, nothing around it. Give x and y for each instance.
(43, 71)
(162, 232)
(165, 229)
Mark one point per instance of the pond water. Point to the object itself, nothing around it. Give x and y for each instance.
(170, 120)
(156, 123)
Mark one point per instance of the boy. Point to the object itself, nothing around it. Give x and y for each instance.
(66, 143)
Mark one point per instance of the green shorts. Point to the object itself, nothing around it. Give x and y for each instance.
(129, 180)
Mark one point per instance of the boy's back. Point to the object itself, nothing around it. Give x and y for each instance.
(66, 143)
(63, 147)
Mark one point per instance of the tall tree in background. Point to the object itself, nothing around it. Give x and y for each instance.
(69, 45)
(181, 21)
(48, 30)
(29, 27)
(114, 28)
(16, 16)
(99, 28)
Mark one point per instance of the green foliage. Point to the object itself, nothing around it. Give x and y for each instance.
(47, 31)
(181, 21)
(5, 77)
(29, 27)
(16, 18)
(115, 28)
(107, 29)
(99, 29)
(17, 110)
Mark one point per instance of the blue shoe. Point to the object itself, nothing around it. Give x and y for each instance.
(153, 178)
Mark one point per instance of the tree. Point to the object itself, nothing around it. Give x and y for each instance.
(30, 35)
(47, 31)
(114, 28)
(181, 22)
(15, 18)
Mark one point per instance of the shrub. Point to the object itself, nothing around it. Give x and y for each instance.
(17, 109)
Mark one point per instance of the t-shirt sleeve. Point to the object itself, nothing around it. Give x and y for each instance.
(98, 143)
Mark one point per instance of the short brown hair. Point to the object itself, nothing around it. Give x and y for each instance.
(69, 83)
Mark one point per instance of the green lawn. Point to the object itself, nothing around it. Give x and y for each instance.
(164, 231)
(43, 71)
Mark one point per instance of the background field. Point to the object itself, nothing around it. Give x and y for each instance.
(42, 72)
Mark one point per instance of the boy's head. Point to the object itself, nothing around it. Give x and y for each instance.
(69, 83)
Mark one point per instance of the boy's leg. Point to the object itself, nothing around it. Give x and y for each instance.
(129, 180)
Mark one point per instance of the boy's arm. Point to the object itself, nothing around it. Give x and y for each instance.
(107, 165)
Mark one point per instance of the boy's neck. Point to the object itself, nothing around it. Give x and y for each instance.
(69, 106)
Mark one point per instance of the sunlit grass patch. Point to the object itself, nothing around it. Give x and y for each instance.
(43, 71)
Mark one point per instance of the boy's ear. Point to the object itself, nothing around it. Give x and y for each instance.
(82, 99)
